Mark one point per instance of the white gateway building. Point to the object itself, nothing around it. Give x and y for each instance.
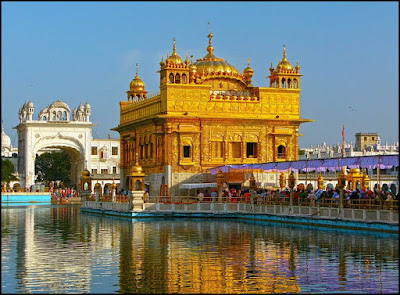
(60, 129)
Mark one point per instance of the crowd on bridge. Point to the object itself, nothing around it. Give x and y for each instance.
(300, 196)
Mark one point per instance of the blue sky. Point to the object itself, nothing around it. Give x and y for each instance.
(87, 51)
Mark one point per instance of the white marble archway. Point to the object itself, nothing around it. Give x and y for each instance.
(73, 136)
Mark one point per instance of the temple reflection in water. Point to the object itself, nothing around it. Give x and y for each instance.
(58, 250)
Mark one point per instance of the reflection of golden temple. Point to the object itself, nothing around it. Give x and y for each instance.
(208, 114)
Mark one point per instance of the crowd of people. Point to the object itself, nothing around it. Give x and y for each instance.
(300, 196)
(63, 193)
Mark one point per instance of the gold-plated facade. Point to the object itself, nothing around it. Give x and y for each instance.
(208, 114)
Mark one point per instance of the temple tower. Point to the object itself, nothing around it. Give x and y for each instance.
(284, 76)
(136, 88)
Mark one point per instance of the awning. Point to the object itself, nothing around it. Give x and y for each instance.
(333, 164)
(198, 185)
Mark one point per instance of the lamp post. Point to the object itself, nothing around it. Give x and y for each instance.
(342, 184)
(282, 180)
(220, 180)
(253, 189)
(291, 184)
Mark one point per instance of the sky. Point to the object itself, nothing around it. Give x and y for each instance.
(87, 52)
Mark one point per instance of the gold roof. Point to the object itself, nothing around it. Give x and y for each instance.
(137, 83)
(248, 69)
(174, 58)
(284, 63)
(212, 64)
(85, 172)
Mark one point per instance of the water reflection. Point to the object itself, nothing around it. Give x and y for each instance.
(57, 249)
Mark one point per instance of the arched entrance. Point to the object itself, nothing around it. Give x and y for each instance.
(55, 129)
(75, 159)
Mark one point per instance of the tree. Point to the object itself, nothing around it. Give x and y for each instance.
(7, 170)
(53, 166)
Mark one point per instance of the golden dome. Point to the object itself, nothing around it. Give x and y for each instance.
(137, 168)
(284, 64)
(192, 66)
(162, 63)
(85, 173)
(136, 83)
(174, 58)
(248, 71)
(271, 69)
(211, 64)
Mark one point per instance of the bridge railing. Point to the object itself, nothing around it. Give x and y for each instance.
(370, 204)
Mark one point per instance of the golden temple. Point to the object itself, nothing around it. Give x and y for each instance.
(207, 114)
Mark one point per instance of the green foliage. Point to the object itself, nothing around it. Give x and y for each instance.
(7, 170)
(301, 152)
(53, 166)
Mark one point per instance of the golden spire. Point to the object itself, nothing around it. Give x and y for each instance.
(284, 52)
(174, 48)
(210, 49)
(248, 62)
(137, 71)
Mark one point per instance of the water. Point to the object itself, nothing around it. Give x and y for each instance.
(56, 249)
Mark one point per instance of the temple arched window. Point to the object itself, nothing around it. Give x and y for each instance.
(44, 118)
(177, 78)
(141, 151)
(171, 78)
(146, 150)
(59, 115)
(294, 83)
(283, 83)
(289, 82)
(184, 79)
(281, 152)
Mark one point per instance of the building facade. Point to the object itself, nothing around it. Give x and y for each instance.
(207, 114)
(57, 128)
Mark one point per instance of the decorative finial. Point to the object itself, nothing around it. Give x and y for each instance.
(191, 59)
(210, 35)
(248, 62)
(137, 70)
(137, 156)
(284, 51)
(209, 28)
(174, 49)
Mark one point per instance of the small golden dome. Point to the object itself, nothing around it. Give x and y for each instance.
(297, 66)
(192, 66)
(137, 168)
(162, 63)
(136, 83)
(248, 72)
(85, 172)
(271, 69)
(174, 58)
(284, 64)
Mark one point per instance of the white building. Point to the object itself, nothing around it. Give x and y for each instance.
(105, 163)
(57, 128)
(387, 178)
